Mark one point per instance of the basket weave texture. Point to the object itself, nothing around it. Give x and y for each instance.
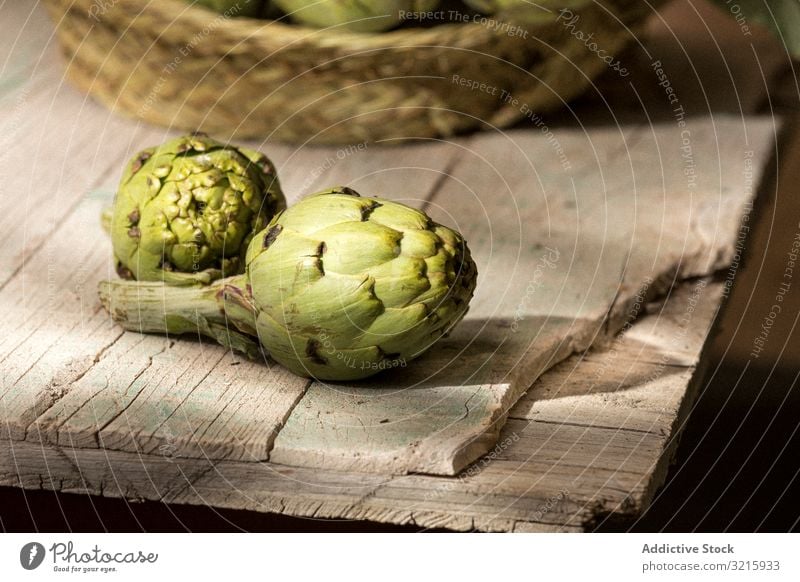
(170, 63)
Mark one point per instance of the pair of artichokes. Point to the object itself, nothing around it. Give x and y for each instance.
(337, 287)
(355, 15)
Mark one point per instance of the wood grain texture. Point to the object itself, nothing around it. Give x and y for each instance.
(74, 379)
(565, 256)
(574, 233)
(582, 444)
(564, 253)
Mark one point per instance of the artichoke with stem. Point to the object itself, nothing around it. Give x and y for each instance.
(186, 210)
(338, 287)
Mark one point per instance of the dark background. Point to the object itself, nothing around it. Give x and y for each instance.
(737, 465)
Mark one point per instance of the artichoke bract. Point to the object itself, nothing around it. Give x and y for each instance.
(356, 15)
(338, 287)
(185, 211)
(232, 7)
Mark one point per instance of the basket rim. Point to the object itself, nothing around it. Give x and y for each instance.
(346, 37)
(279, 32)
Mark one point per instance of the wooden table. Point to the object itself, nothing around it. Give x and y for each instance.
(602, 254)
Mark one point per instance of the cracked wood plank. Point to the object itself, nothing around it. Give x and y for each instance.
(564, 256)
(524, 330)
(638, 380)
(79, 374)
(52, 329)
(233, 411)
(556, 467)
(134, 477)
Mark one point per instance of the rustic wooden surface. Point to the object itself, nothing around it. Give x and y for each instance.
(571, 240)
(590, 438)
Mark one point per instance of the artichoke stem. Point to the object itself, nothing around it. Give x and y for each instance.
(219, 311)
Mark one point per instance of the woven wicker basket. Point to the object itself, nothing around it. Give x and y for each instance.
(174, 64)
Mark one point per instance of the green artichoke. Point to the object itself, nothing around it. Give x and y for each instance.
(186, 210)
(337, 287)
(490, 6)
(496, 6)
(356, 15)
(232, 7)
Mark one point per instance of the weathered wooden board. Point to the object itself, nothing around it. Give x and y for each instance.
(87, 384)
(563, 255)
(126, 392)
(584, 442)
(572, 231)
(566, 233)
